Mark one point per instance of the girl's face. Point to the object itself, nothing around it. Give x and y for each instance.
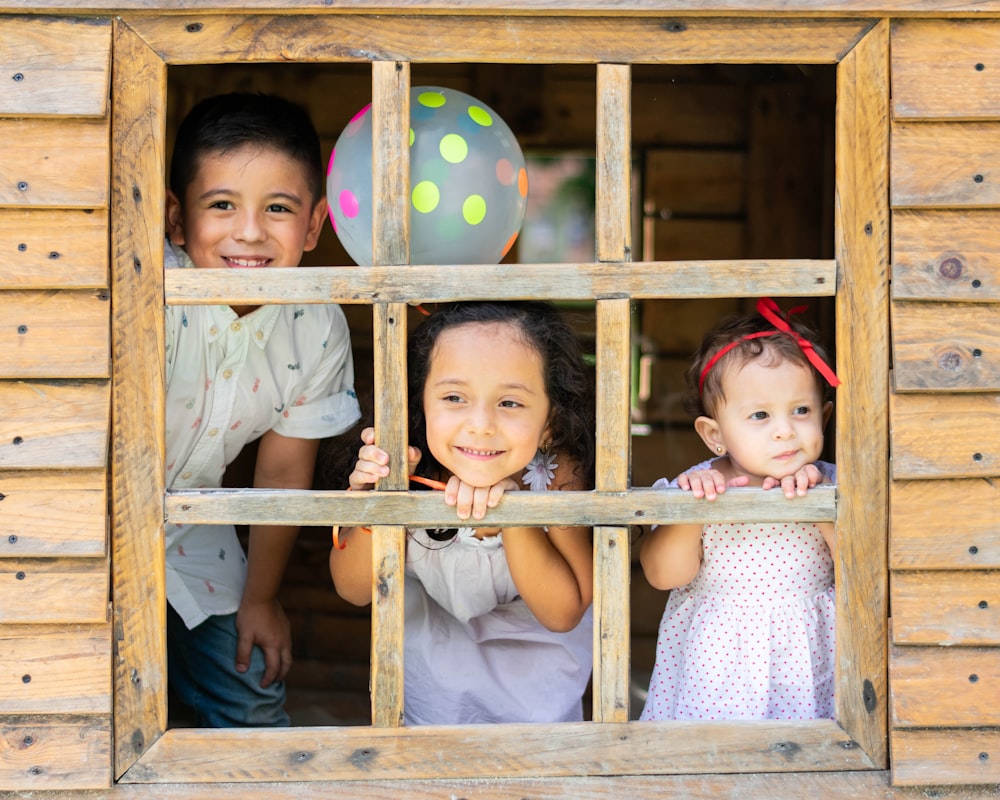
(771, 420)
(485, 402)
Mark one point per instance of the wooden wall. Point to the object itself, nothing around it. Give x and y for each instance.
(56, 638)
(944, 556)
(55, 631)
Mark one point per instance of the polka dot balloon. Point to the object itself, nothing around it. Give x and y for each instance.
(468, 185)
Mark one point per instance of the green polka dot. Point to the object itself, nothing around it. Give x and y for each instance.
(480, 116)
(413, 137)
(426, 197)
(474, 209)
(453, 148)
(431, 99)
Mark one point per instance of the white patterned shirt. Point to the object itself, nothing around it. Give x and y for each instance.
(230, 379)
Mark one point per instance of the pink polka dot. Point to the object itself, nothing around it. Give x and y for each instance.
(505, 172)
(349, 203)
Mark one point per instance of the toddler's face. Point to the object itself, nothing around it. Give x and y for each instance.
(771, 420)
(246, 209)
(485, 402)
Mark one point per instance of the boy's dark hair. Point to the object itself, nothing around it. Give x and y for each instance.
(226, 122)
(771, 349)
(568, 380)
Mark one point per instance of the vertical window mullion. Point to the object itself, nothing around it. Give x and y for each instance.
(612, 558)
(390, 246)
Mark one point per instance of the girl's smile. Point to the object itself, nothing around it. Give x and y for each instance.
(485, 402)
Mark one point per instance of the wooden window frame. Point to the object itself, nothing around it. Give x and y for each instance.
(144, 47)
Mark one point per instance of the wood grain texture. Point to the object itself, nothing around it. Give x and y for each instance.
(945, 165)
(55, 669)
(535, 38)
(56, 334)
(58, 67)
(422, 509)
(862, 249)
(58, 752)
(68, 590)
(53, 513)
(945, 435)
(612, 555)
(946, 608)
(502, 751)
(429, 284)
(945, 347)
(945, 255)
(613, 202)
(137, 452)
(54, 163)
(934, 687)
(54, 425)
(943, 757)
(945, 524)
(945, 69)
(53, 249)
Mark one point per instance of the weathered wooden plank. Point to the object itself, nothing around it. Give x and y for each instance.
(53, 513)
(502, 751)
(66, 753)
(137, 457)
(56, 425)
(55, 669)
(935, 687)
(945, 524)
(945, 346)
(945, 165)
(946, 608)
(54, 163)
(861, 245)
(945, 255)
(945, 436)
(614, 163)
(55, 334)
(943, 757)
(504, 39)
(684, 8)
(425, 510)
(870, 784)
(694, 182)
(59, 67)
(54, 590)
(945, 69)
(612, 555)
(53, 249)
(429, 284)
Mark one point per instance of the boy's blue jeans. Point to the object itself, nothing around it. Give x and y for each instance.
(202, 674)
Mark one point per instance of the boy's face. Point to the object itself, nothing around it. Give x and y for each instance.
(245, 209)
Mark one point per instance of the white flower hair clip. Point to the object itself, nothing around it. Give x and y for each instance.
(540, 471)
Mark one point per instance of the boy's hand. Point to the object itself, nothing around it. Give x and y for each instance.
(472, 500)
(373, 462)
(799, 483)
(708, 483)
(264, 624)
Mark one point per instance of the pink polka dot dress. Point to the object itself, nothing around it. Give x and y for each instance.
(752, 636)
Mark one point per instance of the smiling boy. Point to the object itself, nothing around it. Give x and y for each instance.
(246, 192)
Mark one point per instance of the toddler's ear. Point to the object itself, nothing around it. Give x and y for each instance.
(174, 219)
(711, 435)
(316, 220)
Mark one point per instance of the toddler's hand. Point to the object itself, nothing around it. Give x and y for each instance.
(708, 483)
(799, 483)
(373, 462)
(472, 500)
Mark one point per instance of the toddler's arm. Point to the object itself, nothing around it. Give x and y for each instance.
(671, 555)
(351, 568)
(282, 463)
(553, 571)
